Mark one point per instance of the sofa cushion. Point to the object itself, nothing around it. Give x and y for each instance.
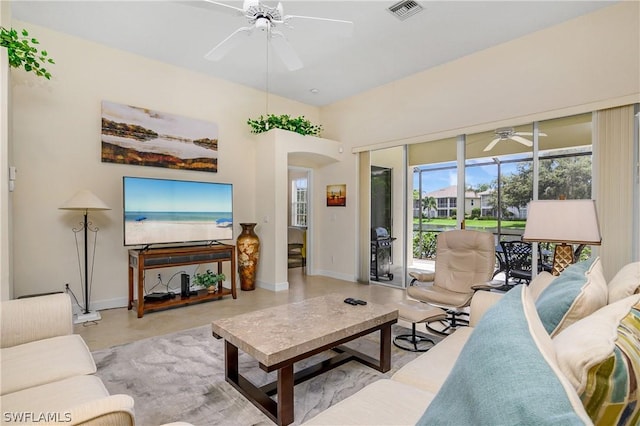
(579, 291)
(506, 374)
(600, 355)
(383, 402)
(57, 397)
(44, 361)
(420, 372)
(625, 283)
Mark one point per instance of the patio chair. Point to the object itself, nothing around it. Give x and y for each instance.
(518, 258)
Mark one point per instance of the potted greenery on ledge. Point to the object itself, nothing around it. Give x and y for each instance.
(23, 53)
(209, 280)
(298, 124)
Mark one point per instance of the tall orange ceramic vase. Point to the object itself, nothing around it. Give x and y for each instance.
(248, 246)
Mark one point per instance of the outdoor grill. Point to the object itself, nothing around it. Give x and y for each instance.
(381, 244)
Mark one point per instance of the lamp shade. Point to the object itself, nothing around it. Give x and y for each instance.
(84, 200)
(562, 221)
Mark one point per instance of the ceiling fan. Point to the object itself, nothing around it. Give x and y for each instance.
(507, 133)
(264, 18)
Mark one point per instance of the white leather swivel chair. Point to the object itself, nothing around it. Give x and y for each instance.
(465, 262)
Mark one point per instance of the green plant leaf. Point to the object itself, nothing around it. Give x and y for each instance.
(298, 124)
(23, 54)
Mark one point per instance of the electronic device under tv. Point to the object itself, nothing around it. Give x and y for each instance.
(167, 211)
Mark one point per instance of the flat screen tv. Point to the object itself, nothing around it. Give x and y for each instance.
(161, 211)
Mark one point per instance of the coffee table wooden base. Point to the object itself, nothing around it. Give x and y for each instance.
(281, 412)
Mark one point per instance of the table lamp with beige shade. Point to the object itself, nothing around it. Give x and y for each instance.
(563, 222)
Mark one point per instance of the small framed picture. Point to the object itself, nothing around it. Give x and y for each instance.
(337, 195)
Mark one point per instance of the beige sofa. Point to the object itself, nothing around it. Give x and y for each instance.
(47, 371)
(532, 356)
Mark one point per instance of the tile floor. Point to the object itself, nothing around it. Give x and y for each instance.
(119, 326)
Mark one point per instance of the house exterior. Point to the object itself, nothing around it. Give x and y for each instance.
(487, 207)
(446, 202)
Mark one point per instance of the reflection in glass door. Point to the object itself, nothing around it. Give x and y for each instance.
(388, 209)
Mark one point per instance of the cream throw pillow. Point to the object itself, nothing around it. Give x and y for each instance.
(625, 283)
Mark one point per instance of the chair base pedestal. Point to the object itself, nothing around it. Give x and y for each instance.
(449, 324)
(413, 342)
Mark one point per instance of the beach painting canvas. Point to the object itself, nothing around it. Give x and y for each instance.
(143, 137)
(337, 195)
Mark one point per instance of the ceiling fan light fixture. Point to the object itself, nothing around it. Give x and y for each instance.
(504, 132)
(263, 24)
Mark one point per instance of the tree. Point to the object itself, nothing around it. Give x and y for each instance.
(568, 177)
(481, 187)
(517, 188)
(429, 204)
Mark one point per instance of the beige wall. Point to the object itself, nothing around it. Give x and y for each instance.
(588, 63)
(56, 142)
(6, 277)
(585, 64)
(575, 66)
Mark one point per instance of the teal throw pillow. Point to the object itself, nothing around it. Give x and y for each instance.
(506, 374)
(579, 291)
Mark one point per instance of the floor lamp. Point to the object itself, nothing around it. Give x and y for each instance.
(85, 201)
(563, 222)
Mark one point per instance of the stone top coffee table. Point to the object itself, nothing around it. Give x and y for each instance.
(280, 336)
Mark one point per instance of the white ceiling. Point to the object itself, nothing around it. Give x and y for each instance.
(381, 49)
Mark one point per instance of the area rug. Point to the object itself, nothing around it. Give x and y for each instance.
(180, 377)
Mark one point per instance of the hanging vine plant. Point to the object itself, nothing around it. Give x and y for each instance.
(299, 124)
(23, 53)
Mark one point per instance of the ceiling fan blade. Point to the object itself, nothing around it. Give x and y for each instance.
(285, 51)
(339, 26)
(227, 8)
(520, 139)
(228, 43)
(529, 134)
(491, 144)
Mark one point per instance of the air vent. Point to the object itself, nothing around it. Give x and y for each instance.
(404, 9)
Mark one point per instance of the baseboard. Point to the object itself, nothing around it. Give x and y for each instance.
(336, 275)
(99, 305)
(273, 286)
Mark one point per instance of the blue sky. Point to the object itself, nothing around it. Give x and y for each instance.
(438, 179)
(161, 195)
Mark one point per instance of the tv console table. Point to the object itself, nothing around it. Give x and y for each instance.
(141, 260)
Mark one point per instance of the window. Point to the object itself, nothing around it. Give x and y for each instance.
(299, 205)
